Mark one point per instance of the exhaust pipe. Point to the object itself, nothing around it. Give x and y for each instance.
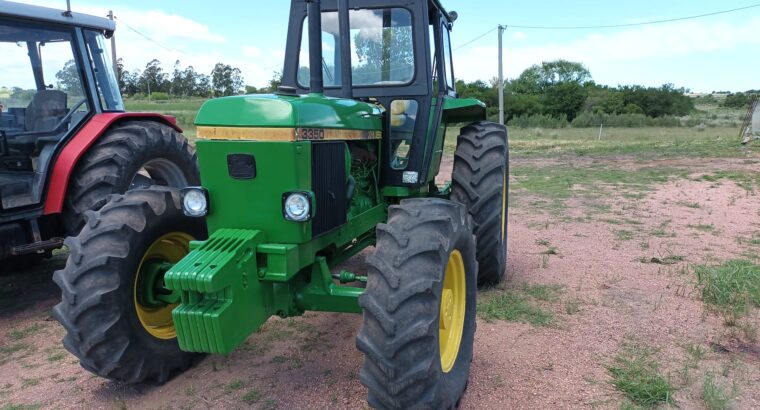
(346, 76)
(316, 85)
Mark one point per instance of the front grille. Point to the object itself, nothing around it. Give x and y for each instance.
(328, 181)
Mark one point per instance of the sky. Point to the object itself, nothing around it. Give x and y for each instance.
(714, 53)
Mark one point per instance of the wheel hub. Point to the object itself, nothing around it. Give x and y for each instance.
(452, 311)
(153, 302)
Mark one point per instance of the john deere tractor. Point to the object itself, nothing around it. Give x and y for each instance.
(342, 158)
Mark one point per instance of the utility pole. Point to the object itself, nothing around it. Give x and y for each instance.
(113, 48)
(501, 75)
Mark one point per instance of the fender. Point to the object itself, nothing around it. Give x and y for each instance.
(78, 145)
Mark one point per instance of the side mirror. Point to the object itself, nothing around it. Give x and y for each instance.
(453, 16)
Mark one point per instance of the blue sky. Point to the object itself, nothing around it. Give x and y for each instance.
(708, 54)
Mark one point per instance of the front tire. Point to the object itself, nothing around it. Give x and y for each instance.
(480, 181)
(419, 307)
(116, 314)
(132, 154)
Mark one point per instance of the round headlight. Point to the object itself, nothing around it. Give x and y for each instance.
(194, 203)
(297, 207)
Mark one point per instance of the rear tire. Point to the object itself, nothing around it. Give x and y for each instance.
(99, 307)
(118, 162)
(410, 361)
(480, 181)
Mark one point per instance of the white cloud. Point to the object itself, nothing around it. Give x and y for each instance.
(607, 55)
(252, 51)
(519, 35)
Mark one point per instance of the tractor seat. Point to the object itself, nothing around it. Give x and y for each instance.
(403, 116)
(43, 113)
(46, 110)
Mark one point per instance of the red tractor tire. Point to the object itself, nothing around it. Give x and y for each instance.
(130, 154)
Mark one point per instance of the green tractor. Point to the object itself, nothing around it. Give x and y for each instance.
(342, 158)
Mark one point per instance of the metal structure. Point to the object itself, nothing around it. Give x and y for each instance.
(343, 157)
(751, 124)
(65, 141)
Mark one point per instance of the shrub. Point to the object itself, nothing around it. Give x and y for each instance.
(539, 121)
(589, 119)
(159, 96)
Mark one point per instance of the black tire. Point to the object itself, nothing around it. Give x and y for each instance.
(98, 308)
(402, 304)
(112, 164)
(480, 178)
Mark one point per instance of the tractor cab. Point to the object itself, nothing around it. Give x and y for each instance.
(49, 59)
(397, 55)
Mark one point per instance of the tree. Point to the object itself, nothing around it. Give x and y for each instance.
(539, 77)
(564, 98)
(226, 80)
(131, 82)
(202, 86)
(384, 54)
(153, 78)
(120, 75)
(737, 100)
(68, 80)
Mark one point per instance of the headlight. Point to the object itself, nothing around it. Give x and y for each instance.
(296, 206)
(194, 201)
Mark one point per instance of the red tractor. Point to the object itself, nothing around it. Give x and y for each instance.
(66, 143)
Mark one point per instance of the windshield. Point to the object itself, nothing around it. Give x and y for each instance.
(382, 51)
(40, 84)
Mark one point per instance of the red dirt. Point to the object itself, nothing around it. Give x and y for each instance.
(311, 362)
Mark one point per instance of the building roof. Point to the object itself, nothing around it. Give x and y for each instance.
(37, 13)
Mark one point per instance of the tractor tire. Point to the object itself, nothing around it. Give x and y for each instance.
(419, 307)
(480, 181)
(108, 328)
(131, 154)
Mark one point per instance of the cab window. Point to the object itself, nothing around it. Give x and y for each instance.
(382, 48)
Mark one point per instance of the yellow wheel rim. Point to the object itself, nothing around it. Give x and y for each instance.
(504, 207)
(157, 321)
(453, 304)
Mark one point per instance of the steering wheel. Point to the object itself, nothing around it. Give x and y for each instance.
(65, 119)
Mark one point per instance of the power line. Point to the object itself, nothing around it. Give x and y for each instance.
(476, 38)
(643, 23)
(622, 25)
(147, 37)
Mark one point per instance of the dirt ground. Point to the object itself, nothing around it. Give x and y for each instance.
(623, 273)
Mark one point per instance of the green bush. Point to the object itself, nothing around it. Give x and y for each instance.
(159, 96)
(589, 119)
(539, 120)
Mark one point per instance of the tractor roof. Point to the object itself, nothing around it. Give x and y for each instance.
(37, 13)
(437, 4)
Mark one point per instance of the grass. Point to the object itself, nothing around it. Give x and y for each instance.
(645, 142)
(234, 385)
(572, 306)
(731, 289)
(29, 382)
(544, 293)
(251, 396)
(184, 110)
(710, 228)
(715, 396)
(519, 305)
(562, 182)
(623, 235)
(11, 406)
(636, 374)
(19, 334)
(746, 180)
(56, 357)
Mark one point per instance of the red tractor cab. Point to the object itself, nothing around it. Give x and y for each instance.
(66, 143)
